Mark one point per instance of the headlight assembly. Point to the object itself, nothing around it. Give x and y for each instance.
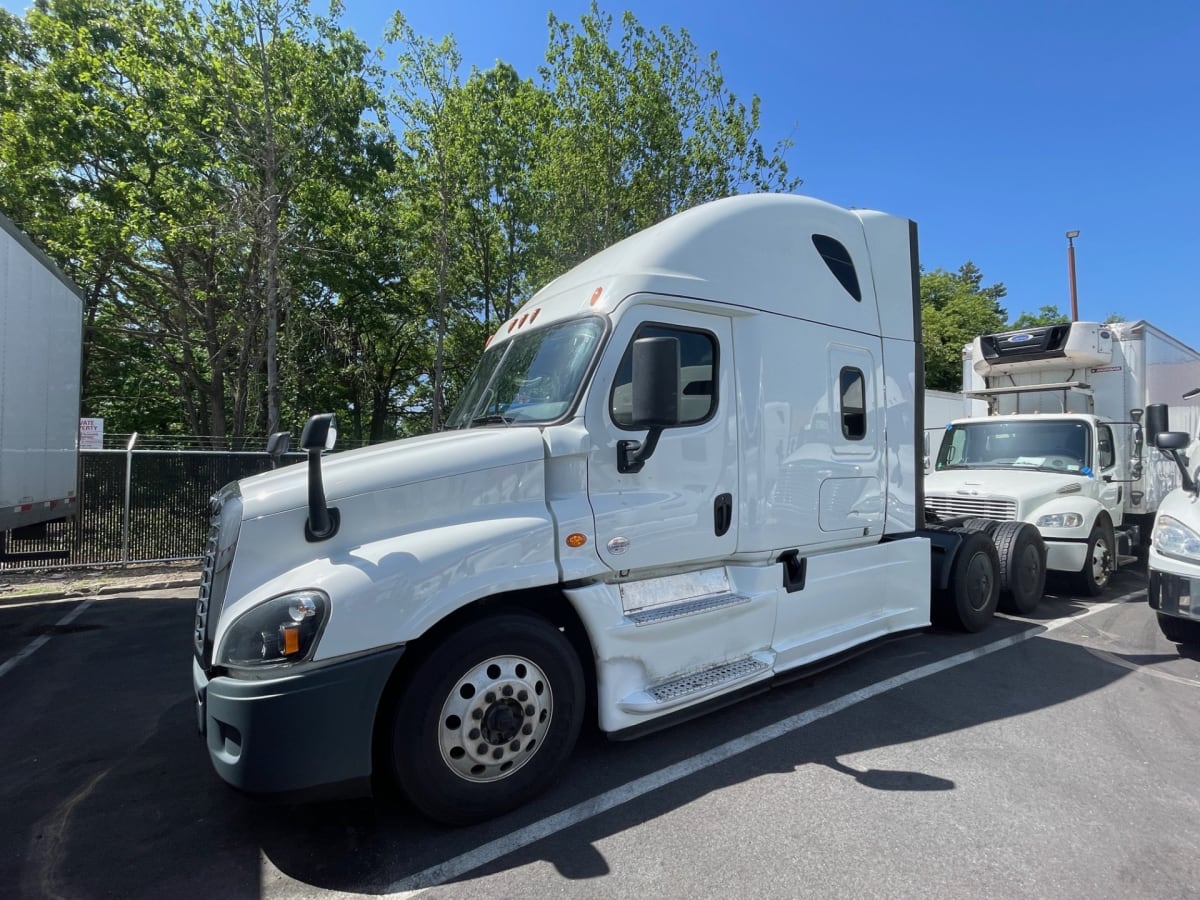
(1173, 538)
(281, 631)
(1060, 520)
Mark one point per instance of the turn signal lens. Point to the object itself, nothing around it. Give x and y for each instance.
(576, 539)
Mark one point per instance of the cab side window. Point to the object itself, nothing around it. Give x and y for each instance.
(1105, 456)
(697, 375)
(854, 404)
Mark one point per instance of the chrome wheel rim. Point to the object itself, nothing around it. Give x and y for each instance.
(495, 718)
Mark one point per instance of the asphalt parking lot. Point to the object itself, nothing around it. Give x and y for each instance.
(1047, 756)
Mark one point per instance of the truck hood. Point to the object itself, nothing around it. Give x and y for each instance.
(395, 464)
(1029, 487)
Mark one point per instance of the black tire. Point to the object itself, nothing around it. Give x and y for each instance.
(488, 719)
(1022, 555)
(1179, 631)
(1100, 562)
(973, 590)
(987, 526)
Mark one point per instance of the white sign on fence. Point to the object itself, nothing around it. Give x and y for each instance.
(91, 434)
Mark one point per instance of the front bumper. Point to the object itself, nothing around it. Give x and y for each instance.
(307, 732)
(1065, 556)
(1174, 595)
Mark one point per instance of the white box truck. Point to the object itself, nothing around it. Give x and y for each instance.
(685, 468)
(1062, 445)
(1174, 561)
(41, 332)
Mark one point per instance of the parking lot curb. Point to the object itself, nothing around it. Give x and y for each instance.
(102, 590)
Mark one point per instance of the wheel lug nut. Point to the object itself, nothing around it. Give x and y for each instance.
(523, 696)
(490, 697)
(514, 746)
(527, 729)
(498, 753)
(529, 709)
(507, 691)
(477, 714)
(481, 749)
(473, 734)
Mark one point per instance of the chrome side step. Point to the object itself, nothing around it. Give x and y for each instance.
(687, 608)
(697, 685)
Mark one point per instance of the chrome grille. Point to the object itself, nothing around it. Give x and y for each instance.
(226, 522)
(999, 508)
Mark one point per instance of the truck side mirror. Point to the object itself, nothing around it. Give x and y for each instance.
(320, 433)
(277, 445)
(1157, 421)
(655, 398)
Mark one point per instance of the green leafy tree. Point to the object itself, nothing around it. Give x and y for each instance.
(955, 308)
(1047, 315)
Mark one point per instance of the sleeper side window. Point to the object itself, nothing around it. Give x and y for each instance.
(852, 385)
(697, 375)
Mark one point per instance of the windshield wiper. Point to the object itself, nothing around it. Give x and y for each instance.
(492, 419)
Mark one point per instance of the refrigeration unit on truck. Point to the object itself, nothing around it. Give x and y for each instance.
(1062, 446)
(41, 328)
(685, 468)
(1174, 561)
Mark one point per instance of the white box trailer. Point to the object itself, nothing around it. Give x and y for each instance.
(687, 467)
(1062, 446)
(41, 329)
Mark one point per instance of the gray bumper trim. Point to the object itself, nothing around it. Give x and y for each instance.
(299, 733)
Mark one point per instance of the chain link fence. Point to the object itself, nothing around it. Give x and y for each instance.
(138, 506)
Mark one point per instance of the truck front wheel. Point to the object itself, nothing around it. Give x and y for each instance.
(488, 718)
(1098, 565)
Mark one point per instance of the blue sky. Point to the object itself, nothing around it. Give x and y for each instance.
(997, 126)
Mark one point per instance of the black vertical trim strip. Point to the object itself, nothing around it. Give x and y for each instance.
(918, 377)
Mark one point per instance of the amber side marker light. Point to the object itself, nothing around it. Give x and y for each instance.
(576, 539)
(289, 639)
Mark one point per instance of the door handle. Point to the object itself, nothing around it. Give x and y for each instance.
(722, 513)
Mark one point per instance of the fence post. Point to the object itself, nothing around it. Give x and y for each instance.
(128, 484)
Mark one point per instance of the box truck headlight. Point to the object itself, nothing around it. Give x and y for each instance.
(1060, 520)
(282, 630)
(1173, 538)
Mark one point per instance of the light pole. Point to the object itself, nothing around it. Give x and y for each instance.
(1071, 235)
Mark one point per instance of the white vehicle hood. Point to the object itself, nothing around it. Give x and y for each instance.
(1029, 487)
(395, 464)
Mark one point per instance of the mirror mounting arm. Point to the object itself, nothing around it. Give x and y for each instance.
(632, 455)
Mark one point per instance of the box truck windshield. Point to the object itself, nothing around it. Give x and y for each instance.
(1055, 445)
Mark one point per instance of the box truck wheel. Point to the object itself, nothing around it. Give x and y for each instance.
(1022, 555)
(1179, 631)
(488, 718)
(970, 598)
(1098, 564)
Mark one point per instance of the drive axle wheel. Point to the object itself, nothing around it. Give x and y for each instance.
(1022, 566)
(487, 719)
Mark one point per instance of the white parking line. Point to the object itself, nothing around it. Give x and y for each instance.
(38, 642)
(523, 837)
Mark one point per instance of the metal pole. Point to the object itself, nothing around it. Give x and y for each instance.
(128, 485)
(1071, 235)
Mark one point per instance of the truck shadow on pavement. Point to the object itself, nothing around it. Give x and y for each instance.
(119, 799)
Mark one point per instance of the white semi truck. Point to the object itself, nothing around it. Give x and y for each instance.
(1062, 445)
(685, 468)
(41, 328)
(1174, 561)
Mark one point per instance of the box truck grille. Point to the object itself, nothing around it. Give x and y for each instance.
(226, 522)
(999, 508)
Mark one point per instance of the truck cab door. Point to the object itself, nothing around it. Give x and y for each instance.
(1108, 471)
(679, 508)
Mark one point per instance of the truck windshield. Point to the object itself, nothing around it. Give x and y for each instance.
(534, 377)
(1057, 445)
